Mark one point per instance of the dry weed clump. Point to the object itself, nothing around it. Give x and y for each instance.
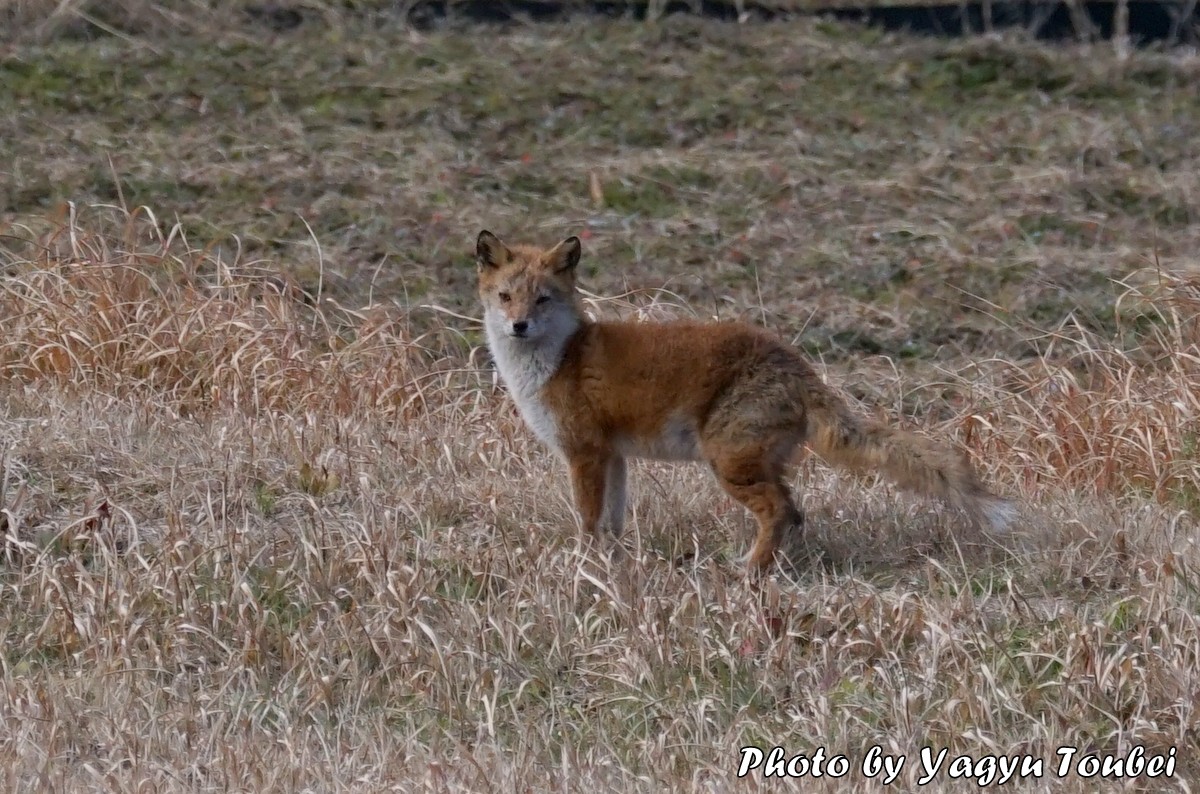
(144, 313)
(1102, 419)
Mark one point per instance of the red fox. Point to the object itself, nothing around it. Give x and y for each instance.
(731, 395)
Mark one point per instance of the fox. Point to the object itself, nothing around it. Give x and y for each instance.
(731, 395)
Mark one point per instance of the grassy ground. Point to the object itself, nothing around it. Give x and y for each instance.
(271, 525)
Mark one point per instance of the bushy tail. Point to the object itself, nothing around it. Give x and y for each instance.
(911, 461)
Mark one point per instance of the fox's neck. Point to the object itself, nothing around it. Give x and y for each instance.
(525, 365)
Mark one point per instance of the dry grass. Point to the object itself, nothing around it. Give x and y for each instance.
(239, 554)
(269, 524)
(139, 320)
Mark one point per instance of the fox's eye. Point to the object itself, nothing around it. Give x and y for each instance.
(505, 297)
(542, 299)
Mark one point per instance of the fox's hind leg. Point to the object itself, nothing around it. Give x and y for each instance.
(753, 475)
(750, 437)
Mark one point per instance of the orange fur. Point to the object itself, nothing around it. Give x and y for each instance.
(731, 395)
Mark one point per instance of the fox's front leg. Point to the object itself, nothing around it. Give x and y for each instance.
(589, 476)
(613, 515)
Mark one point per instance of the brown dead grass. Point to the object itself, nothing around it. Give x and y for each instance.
(1101, 419)
(321, 571)
(156, 316)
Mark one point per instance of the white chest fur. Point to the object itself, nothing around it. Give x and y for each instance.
(525, 366)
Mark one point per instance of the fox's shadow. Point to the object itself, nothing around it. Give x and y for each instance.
(885, 543)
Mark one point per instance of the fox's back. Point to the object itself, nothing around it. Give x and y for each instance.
(655, 384)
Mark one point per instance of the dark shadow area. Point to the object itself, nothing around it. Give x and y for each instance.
(431, 13)
(1170, 22)
(1149, 22)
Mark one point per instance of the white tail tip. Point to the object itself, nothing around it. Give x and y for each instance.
(998, 514)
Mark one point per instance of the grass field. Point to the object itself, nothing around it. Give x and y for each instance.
(270, 524)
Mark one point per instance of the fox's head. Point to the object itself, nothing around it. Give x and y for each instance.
(528, 292)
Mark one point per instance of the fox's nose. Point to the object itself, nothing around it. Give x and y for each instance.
(520, 327)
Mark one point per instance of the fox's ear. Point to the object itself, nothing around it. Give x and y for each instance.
(489, 251)
(564, 256)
